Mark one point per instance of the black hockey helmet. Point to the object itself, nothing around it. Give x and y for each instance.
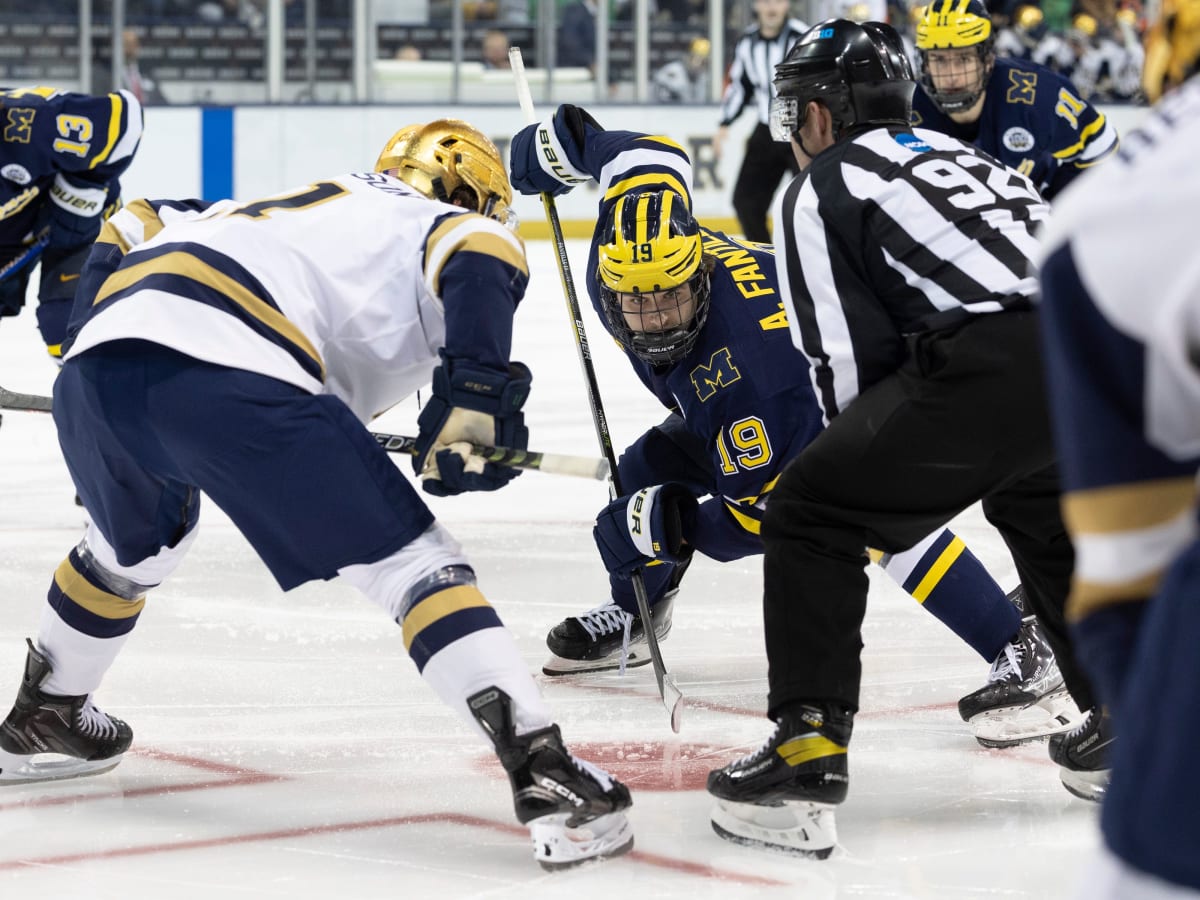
(858, 70)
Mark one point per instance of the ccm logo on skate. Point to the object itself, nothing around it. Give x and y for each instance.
(555, 788)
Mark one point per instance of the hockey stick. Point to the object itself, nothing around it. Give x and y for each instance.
(671, 696)
(28, 256)
(550, 463)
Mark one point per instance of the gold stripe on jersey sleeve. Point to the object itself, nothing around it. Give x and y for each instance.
(114, 129)
(627, 185)
(187, 266)
(752, 525)
(482, 241)
(144, 213)
(1088, 597)
(1084, 137)
(95, 600)
(660, 139)
(1127, 507)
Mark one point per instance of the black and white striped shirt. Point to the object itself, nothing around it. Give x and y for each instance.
(752, 75)
(895, 232)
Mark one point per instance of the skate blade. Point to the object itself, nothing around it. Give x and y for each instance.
(1011, 726)
(1090, 786)
(20, 769)
(557, 665)
(556, 846)
(798, 828)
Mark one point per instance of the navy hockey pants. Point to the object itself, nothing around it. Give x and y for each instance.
(144, 429)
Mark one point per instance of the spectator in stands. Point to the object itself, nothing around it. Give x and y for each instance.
(132, 77)
(685, 80)
(494, 50)
(408, 53)
(577, 34)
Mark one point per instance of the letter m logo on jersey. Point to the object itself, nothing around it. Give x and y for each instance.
(720, 372)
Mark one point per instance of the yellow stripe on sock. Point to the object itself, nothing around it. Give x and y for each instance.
(938, 569)
(83, 593)
(438, 606)
(798, 751)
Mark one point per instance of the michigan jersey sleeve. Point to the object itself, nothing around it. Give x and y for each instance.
(1121, 312)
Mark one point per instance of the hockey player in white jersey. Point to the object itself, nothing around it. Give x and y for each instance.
(1121, 324)
(239, 351)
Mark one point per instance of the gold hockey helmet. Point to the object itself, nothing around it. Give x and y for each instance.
(451, 161)
(949, 25)
(1172, 47)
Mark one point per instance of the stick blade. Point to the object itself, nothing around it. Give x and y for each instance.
(673, 701)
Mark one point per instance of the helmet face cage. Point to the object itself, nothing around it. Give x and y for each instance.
(859, 71)
(451, 161)
(956, 25)
(651, 246)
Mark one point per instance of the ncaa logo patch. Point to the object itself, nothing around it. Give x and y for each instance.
(16, 173)
(1018, 139)
(912, 142)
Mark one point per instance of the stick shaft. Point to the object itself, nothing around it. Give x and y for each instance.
(671, 696)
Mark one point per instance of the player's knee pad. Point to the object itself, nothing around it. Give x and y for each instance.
(151, 571)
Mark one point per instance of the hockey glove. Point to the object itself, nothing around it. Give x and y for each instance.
(75, 211)
(470, 405)
(548, 157)
(650, 525)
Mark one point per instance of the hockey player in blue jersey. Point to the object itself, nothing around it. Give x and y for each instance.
(239, 350)
(1028, 117)
(699, 316)
(1121, 324)
(61, 158)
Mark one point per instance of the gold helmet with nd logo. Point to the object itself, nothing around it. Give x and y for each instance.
(451, 161)
(956, 42)
(1172, 47)
(653, 276)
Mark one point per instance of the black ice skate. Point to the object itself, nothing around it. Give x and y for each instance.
(573, 809)
(1083, 755)
(783, 795)
(605, 638)
(1025, 698)
(71, 727)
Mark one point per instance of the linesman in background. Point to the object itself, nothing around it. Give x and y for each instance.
(902, 262)
(1121, 317)
(761, 47)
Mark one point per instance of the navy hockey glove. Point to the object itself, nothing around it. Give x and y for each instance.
(470, 405)
(548, 157)
(650, 525)
(75, 211)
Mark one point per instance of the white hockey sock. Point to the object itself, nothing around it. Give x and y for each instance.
(487, 658)
(79, 661)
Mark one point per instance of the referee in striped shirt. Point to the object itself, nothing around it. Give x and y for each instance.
(761, 47)
(903, 260)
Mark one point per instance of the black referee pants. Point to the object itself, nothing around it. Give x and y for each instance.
(964, 419)
(763, 167)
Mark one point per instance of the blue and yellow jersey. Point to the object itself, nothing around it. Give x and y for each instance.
(61, 147)
(744, 389)
(1032, 120)
(348, 286)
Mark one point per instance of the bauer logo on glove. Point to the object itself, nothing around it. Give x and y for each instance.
(651, 525)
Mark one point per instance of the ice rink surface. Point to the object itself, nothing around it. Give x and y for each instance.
(286, 747)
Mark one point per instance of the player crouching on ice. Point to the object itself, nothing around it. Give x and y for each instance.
(698, 316)
(239, 350)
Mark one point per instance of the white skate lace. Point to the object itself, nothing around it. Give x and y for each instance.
(604, 620)
(1008, 665)
(93, 722)
(750, 757)
(1079, 729)
(594, 772)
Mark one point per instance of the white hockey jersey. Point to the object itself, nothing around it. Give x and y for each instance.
(336, 287)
